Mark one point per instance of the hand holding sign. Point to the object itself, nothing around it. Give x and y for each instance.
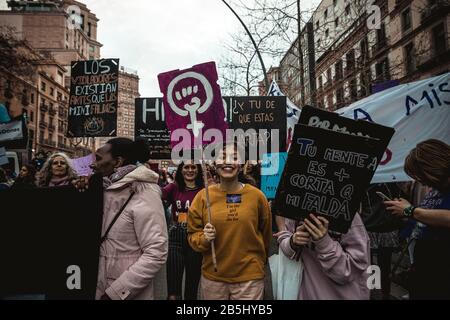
(317, 229)
(209, 232)
(301, 237)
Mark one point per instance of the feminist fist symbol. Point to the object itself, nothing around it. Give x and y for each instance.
(194, 106)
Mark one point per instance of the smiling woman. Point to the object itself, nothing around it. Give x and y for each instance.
(241, 229)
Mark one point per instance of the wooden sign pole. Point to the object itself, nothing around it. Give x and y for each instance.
(208, 206)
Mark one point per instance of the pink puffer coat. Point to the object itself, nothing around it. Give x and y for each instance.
(137, 244)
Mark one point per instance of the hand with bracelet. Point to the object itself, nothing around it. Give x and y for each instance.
(400, 207)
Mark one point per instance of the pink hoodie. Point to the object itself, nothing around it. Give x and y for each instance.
(333, 270)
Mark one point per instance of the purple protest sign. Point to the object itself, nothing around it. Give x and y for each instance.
(192, 101)
(81, 165)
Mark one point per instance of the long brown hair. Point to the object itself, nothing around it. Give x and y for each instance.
(429, 163)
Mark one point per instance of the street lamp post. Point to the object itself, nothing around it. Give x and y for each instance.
(300, 54)
(266, 80)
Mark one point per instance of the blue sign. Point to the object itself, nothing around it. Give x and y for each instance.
(271, 170)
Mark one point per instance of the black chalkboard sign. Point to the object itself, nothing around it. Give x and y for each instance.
(261, 114)
(319, 118)
(149, 124)
(326, 173)
(93, 98)
(51, 241)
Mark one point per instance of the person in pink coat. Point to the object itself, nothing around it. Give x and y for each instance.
(136, 246)
(335, 265)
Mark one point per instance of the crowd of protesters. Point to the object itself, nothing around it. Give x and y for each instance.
(217, 239)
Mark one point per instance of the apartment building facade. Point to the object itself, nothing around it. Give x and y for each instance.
(59, 32)
(354, 58)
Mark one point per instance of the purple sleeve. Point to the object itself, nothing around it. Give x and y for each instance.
(284, 239)
(167, 192)
(345, 260)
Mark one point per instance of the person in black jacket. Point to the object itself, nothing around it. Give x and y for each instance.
(382, 228)
(26, 178)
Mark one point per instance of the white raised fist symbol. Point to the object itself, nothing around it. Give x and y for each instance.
(190, 109)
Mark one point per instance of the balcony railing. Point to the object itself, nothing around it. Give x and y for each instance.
(430, 13)
(52, 111)
(379, 46)
(51, 127)
(44, 107)
(42, 125)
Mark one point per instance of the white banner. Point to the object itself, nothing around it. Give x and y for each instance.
(417, 111)
(292, 112)
(11, 131)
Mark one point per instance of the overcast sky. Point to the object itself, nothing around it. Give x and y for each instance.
(161, 35)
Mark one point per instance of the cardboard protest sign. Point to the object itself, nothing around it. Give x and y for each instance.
(150, 124)
(3, 158)
(82, 165)
(193, 102)
(326, 173)
(52, 241)
(93, 98)
(271, 170)
(14, 134)
(332, 121)
(266, 115)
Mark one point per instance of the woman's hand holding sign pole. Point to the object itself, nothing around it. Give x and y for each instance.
(209, 230)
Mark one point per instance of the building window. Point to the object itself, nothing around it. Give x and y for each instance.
(31, 116)
(329, 77)
(89, 29)
(327, 33)
(350, 58)
(334, 3)
(32, 98)
(347, 10)
(320, 82)
(382, 70)
(338, 70)
(381, 35)
(336, 22)
(364, 50)
(439, 39)
(52, 91)
(406, 20)
(325, 14)
(340, 96)
(353, 90)
(317, 24)
(43, 86)
(409, 58)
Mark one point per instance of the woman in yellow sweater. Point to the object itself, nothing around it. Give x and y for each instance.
(240, 228)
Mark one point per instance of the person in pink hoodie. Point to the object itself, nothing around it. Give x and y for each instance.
(334, 264)
(135, 248)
